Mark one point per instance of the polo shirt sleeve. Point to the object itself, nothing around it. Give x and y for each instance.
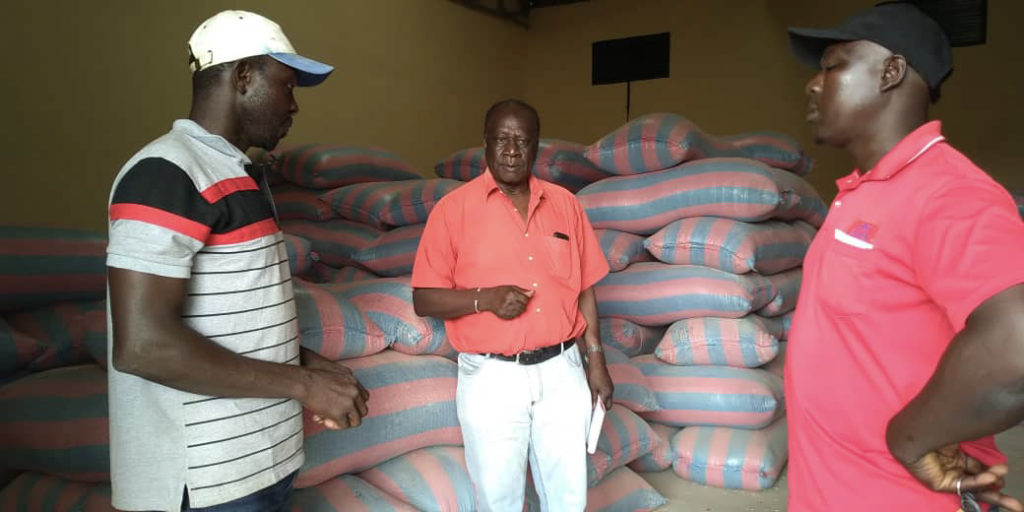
(593, 265)
(158, 220)
(434, 266)
(968, 247)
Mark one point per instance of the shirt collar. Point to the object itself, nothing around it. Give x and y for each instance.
(215, 142)
(491, 186)
(915, 144)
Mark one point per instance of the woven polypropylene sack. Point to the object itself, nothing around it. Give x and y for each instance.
(324, 166)
(41, 266)
(732, 458)
(739, 342)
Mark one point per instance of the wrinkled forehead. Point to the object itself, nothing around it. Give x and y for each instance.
(512, 118)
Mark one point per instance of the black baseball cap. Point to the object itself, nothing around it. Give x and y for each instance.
(901, 27)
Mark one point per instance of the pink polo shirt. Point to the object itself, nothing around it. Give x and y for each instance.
(907, 252)
(474, 237)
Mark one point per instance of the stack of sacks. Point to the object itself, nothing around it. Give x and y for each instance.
(727, 221)
(361, 210)
(560, 162)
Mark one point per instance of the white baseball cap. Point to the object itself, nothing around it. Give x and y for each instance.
(232, 35)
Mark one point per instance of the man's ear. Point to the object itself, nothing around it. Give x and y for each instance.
(242, 75)
(893, 72)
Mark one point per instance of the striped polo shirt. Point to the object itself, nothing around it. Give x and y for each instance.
(184, 207)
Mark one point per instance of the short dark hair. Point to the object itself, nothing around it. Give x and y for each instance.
(205, 79)
(511, 102)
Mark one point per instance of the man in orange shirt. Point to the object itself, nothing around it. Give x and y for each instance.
(509, 261)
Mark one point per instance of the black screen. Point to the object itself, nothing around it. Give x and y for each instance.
(630, 59)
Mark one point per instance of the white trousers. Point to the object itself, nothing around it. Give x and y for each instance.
(509, 412)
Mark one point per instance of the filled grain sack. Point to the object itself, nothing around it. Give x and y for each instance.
(322, 273)
(462, 165)
(662, 456)
(346, 493)
(658, 141)
(35, 492)
(334, 241)
(63, 329)
(659, 294)
(733, 188)
(626, 437)
(620, 491)
(712, 395)
(325, 166)
(779, 326)
(631, 388)
(17, 350)
(739, 342)
(621, 249)
(384, 204)
(732, 458)
(300, 254)
(563, 163)
(331, 325)
(411, 406)
(392, 253)
(630, 338)
(787, 289)
(294, 202)
(433, 479)
(40, 266)
(730, 245)
(55, 422)
(387, 303)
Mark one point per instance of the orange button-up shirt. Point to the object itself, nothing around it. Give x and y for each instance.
(475, 237)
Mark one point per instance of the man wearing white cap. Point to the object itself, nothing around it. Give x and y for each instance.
(207, 378)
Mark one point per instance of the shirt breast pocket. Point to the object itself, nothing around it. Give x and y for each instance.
(846, 278)
(559, 253)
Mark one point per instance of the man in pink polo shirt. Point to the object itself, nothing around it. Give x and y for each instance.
(907, 348)
(509, 262)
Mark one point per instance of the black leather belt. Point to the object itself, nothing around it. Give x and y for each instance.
(540, 355)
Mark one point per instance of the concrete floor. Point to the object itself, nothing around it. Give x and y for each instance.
(690, 497)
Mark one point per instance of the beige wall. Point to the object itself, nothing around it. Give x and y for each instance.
(90, 82)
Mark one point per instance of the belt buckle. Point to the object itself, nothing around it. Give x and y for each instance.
(528, 353)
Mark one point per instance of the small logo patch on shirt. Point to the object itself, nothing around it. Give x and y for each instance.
(862, 231)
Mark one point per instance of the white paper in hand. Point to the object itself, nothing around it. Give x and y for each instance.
(594, 431)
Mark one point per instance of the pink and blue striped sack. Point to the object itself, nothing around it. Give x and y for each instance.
(62, 329)
(17, 350)
(777, 366)
(387, 303)
(621, 249)
(55, 422)
(462, 165)
(622, 490)
(35, 492)
(324, 166)
(383, 204)
(629, 338)
(346, 493)
(730, 245)
(563, 163)
(334, 241)
(331, 325)
(712, 395)
(732, 458)
(738, 342)
(631, 388)
(787, 290)
(733, 188)
(294, 202)
(392, 253)
(662, 456)
(41, 266)
(433, 479)
(300, 254)
(658, 141)
(412, 406)
(658, 294)
(778, 326)
(626, 437)
(322, 273)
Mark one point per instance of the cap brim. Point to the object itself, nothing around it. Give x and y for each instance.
(808, 44)
(310, 71)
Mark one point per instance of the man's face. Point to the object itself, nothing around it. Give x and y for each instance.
(843, 95)
(510, 145)
(266, 113)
